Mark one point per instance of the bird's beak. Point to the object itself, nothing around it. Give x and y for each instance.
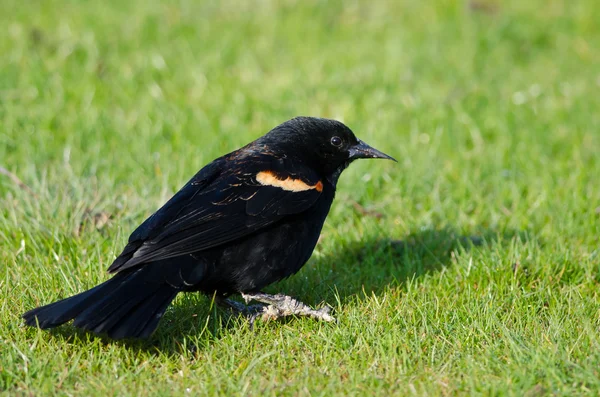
(363, 151)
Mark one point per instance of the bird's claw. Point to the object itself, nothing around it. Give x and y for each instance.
(274, 307)
(279, 306)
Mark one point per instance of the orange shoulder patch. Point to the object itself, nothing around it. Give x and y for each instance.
(268, 178)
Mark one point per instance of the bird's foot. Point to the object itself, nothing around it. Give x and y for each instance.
(280, 305)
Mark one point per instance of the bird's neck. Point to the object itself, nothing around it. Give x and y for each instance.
(335, 175)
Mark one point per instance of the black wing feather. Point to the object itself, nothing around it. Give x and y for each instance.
(216, 207)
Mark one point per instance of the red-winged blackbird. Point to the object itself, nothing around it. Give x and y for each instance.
(244, 221)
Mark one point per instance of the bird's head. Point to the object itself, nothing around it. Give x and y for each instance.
(326, 145)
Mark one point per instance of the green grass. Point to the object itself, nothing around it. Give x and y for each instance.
(481, 275)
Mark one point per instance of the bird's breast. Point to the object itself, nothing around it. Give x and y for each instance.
(270, 255)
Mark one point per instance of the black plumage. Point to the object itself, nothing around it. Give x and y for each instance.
(244, 221)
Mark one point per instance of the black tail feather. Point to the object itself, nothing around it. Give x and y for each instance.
(108, 310)
(128, 305)
(144, 318)
(57, 313)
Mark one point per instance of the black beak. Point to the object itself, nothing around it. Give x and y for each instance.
(363, 151)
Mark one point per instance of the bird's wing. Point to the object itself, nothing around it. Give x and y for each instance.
(221, 204)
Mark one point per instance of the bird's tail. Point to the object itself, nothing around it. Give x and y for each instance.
(128, 305)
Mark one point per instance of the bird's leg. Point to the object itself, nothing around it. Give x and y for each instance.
(230, 304)
(280, 305)
(251, 312)
(239, 307)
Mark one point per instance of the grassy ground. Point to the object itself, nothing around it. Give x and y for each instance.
(474, 271)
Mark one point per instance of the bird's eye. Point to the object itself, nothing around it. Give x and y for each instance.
(336, 141)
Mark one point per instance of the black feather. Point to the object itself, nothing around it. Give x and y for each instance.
(108, 308)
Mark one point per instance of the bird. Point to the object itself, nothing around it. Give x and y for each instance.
(244, 221)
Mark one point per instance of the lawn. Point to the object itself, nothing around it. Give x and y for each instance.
(470, 267)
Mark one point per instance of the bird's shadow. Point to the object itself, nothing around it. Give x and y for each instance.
(350, 272)
(369, 267)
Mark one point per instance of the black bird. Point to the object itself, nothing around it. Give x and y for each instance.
(244, 221)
